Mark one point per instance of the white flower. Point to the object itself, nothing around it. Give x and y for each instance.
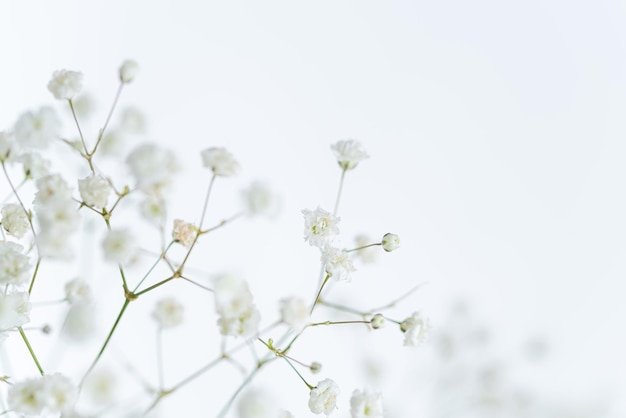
(390, 242)
(233, 301)
(14, 265)
(94, 190)
(58, 214)
(6, 145)
(256, 403)
(65, 84)
(14, 220)
(62, 394)
(260, 200)
(294, 312)
(112, 144)
(14, 310)
(153, 210)
(349, 153)
(377, 321)
(128, 71)
(77, 290)
(50, 187)
(46, 394)
(102, 386)
(337, 263)
(168, 313)
(184, 232)
(220, 161)
(320, 226)
(36, 129)
(152, 167)
(366, 404)
(34, 165)
(119, 246)
(415, 329)
(54, 242)
(323, 397)
(243, 325)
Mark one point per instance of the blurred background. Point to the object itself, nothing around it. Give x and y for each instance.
(497, 140)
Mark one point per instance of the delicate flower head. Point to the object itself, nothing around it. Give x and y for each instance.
(58, 214)
(14, 220)
(256, 403)
(94, 190)
(35, 129)
(168, 313)
(323, 397)
(14, 310)
(128, 71)
(14, 265)
(77, 290)
(415, 328)
(50, 187)
(337, 263)
(234, 304)
(294, 312)
(349, 153)
(220, 161)
(153, 210)
(152, 167)
(62, 394)
(6, 145)
(366, 404)
(53, 242)
(320, 227)
(390, 242)
(65, 84)
(119, 246)
(184, 232)
(245, 324)
(260, 200)
(34, 165)
(377, 321)
(46, 394)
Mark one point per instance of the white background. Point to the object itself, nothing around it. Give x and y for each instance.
(495, 128)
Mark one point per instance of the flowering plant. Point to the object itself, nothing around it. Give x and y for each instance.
(43, 214)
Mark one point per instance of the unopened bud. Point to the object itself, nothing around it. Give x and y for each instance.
(377, 321)
(390, 242)
(315, 367)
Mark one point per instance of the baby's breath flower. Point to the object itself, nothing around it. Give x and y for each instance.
(220, 161)
(14, 265)
(168, 313)
(94, 190)
(14, 310)
(257, 403)
(35, 129)
(245, 324)
(62, 394)
(415, 329)
(14, 220)
(320, 227)
(233, 301)
(50, 187)
(58, 214)
(46, 394)
(65, 84)
(152, 167)
(366, 404)
(323, 397)
(184, 232)
(315, 367)
(294, 312)
(77, 290)
(337, 263)
(128, 71)
(153, 210)
(119, 246)
(349, 153)
(377, 321)
(34, 165)
(260, 200)
(390, 242)
(6, 145)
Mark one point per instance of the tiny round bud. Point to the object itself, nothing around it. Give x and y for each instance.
(47, 329)
(377, 321)
(128, 71)
(390, 242)
(315, 367)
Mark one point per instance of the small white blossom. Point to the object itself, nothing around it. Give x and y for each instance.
(349, 153)
(153, 210)
(112, 143)
(294, 312)
(152, 167)
(390, 242)
(65, 84)
(128, 71)
(53, 242)
(46, 394)
(168, 313)
(14, 220)
(58, 214)
(119, 246)
(337, 263)
(220, 161)
(415, 329)
(260, 200)
(323, 397)
(257, 403)
(233, 301)
(34, 165)
(14, 310)
(366, 404)
(50, 187)
(6, 145)
(184, 232)
(320, 227)
(37, 129)
(77, 290)
(245, 324)
(377, 321)
(62, 394)
(94, 190)
(102, 386)
(14, 265)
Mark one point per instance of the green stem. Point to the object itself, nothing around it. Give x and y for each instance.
(106, 123)
(154, 286)
(32, 281)
(30, 350)
(319, 293)
(343, 175)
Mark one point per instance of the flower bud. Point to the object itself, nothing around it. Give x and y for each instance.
(390, 242)
(377, 321)
(315, 367)
(128, 71)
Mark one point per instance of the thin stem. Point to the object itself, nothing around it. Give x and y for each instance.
(30, 350)
(364, 247)
(342, 308)
(395, 301)
(19, 200)
(18, 187)
(106, 342)
(298, 373)
(161, 257)
(338, 323)
(208, 289)
(80, 133)
(106, 123)
(319, 293)
(32, 281)
(343, 175)
(154, 286)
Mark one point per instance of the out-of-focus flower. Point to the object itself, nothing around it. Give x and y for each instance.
(14, 310)
(35, 129)
(294, 312)
(65, 84)
(168, 313)
(119, 246)
(128, 71)
(366, 404)
(220, 161)
(349, 153)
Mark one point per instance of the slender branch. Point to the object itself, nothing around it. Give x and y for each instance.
(319, 293)
(106, 123)
(154, 286)
(364, 247)
(30, 350)
(343, 175)
(161, 257)
(32, 280)
(82, 138)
